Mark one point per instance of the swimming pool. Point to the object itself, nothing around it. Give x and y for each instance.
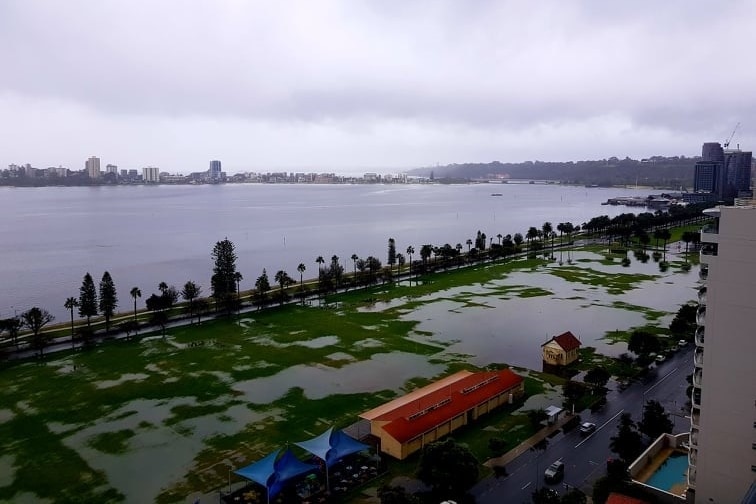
(671, 473)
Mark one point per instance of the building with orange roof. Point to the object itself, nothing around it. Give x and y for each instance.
(408, 423)
(561, 350)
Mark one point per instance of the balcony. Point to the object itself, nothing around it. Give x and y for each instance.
(696, 399)
(698, 378)
(692, 456)
(695, 417)
(693, 438)
(702, 295)
(703, 272)
(692, 477)
(698, 357)
(701, 316)
(709, 249)
(700, 336)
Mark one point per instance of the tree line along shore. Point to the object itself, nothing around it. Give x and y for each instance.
(96, 304)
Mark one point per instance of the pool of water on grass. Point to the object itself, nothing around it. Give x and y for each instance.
(511, 329)
(382, 371)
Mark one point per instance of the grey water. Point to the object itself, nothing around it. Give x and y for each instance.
(143, 235)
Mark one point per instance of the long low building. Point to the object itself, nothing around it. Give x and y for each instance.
(408, 423)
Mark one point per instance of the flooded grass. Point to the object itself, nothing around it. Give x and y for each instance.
(233, 389)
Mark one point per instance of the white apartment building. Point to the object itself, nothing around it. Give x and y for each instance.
(722, 456)
(92, 165)
(151, 174)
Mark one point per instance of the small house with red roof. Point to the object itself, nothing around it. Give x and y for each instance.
(408, 423)
(561, 350)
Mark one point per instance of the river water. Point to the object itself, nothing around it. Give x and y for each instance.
(144, 235)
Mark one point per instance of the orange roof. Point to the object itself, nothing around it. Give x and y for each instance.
(566, 340)
(615, 498)
(441, 405)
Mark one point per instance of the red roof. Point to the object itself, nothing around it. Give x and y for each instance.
(566, 340)
(615, 498)
(422, 415)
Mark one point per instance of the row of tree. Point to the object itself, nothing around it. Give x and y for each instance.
(226, 279)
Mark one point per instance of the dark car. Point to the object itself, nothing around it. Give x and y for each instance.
(555, 472)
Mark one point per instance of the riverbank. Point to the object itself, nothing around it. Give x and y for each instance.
(156, 419)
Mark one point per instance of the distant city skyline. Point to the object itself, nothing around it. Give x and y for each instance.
(356, 86)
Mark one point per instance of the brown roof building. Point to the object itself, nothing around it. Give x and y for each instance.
(561, 350)
(408, 423)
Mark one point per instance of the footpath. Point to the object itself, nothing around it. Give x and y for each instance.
(526, 445)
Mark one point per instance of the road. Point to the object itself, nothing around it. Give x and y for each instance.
(585, 457)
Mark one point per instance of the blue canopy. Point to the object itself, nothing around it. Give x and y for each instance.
(288, 467)
(344, 445)
(273, 474)
(332, 446)
(261, 471)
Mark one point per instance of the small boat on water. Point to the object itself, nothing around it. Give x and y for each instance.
(496, 194)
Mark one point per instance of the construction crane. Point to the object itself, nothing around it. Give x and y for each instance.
(729, 139)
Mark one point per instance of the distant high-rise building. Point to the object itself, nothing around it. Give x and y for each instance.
(722, 456)
(151, 174)
(737, 173)
(111, 168)
(722, 174)
(92, 167)
(215, 170)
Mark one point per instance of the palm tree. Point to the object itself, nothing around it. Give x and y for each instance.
(70, 304)
(458, 248)
(320, 262)
(354, 262)
(191, 292)
(425, 253)
(301, 268)
(410, 251)
(531, 235)
(499, 237)
(469, 243)
(163, 287)
(283, 279)
(665, 235)
(135, 293)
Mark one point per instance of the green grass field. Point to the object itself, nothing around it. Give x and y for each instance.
(175, 413)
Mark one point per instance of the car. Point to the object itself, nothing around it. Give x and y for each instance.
(587, 428)
(682, 343)
(660, 358)
(555, 472)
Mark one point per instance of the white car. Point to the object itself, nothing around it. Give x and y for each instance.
(660, 358)
(587, 428)
(682, 343)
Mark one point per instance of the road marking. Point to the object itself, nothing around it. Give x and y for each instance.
(659, 381)
(526, 486)
(599, 428)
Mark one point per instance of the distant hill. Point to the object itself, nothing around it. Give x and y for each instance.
(663, 172)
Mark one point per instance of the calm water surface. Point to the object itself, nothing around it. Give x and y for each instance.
(143, 235)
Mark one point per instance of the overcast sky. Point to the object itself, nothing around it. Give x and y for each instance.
(352, 85)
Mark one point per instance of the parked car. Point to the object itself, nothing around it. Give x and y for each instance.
(555, 472)
(682, 343)
(587, 428)
(660, 358)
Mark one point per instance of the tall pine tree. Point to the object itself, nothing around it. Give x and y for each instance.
(108, 298)
(87, 298)
(223, 281)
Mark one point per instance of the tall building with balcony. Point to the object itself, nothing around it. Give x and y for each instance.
(214, 173)
(92, 166)
(722, 454)
(151, 175)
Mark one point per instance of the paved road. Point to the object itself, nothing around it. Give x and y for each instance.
(585, 458)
